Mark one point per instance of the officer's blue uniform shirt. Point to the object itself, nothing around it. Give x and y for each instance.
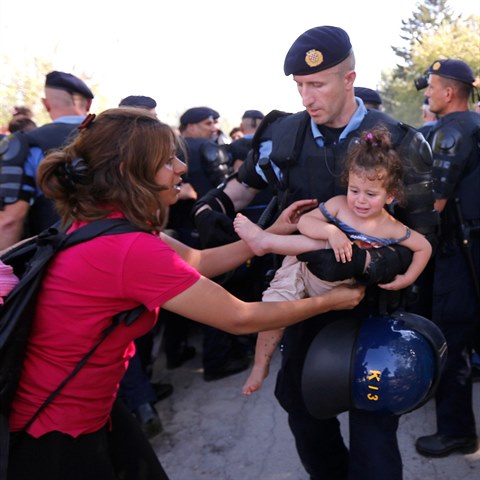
(35, 156)
(357, 118)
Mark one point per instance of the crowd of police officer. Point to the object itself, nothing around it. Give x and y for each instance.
(300, 156)
(295, 156)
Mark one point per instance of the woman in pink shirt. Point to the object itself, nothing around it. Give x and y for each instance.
(122, 164)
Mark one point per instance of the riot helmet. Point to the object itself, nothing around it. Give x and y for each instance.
(385, 363)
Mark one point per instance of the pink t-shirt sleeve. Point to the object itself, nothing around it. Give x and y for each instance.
(154, 273)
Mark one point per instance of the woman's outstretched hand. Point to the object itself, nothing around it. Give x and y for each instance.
(287, 221)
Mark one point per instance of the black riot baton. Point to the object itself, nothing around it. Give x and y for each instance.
(271, 210)
(269, 213)
(273, 206)
(465, 233)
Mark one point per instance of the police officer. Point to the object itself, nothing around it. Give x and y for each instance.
(239, 148)
(455, 140)
(305, 152)
(248, 281)
(208, 162)
(209, 165)
(371, 98)
(428, 117)
(67, 100)
(136, 390)
(139, 101)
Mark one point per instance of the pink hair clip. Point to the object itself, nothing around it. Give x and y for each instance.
(369, 139)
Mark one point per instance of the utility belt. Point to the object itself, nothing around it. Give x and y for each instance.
(460, 236)
(472, 226)
(451, 230)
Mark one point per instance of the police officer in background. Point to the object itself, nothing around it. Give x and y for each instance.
(136, 390)
(208, 162)
(67, 100)
(139, 101)
(219, 137)
(238, 151)
(209, 165)
(305, 152)
(455, 142)
(239, 148)
(371, 98)
(197, 129)
(429, 118)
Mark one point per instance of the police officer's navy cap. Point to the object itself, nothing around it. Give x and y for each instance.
(67, 82)
(454, 69)
(368, 95)
(139, 101)
(317, 49)
(255, 114)
(197, 114)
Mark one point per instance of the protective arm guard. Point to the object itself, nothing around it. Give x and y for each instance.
(13, 154)
(419, 212)
(213, 213)
(215, 162)
(446, 147)
(456, 168)
(216, 200)
(213, 218)
(248, 175)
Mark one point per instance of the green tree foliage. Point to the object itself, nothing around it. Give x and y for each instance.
(432, 33)
(425, 19)
(457, 40)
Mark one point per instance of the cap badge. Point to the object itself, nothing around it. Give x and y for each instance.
(436, 66)
(313, 58)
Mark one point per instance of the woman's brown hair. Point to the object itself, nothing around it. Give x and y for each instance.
(111, 166)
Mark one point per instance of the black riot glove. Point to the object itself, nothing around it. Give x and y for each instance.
(385, 264)
(212, 216)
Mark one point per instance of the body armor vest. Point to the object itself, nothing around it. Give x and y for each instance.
(208, 164)
(455, 141)
(14, 152)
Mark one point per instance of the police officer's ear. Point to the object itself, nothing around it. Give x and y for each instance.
(448, 92)
(46, 104)
(350, 77)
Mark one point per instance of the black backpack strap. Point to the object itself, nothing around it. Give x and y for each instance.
(106, 226)
(4, 445)
(127, 317)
